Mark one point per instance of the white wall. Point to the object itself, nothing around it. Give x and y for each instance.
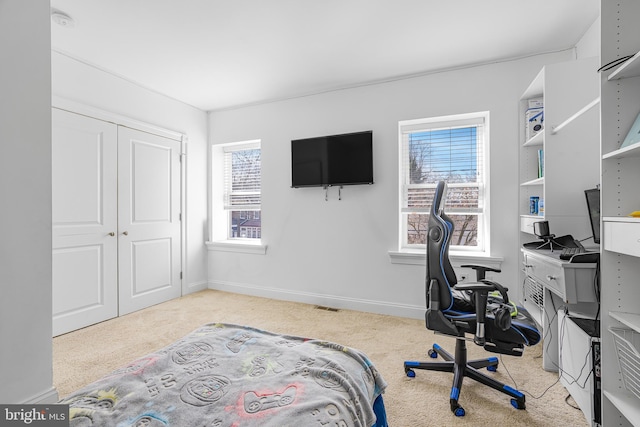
(336, 252)
(25, 191)
(84, 84)
(589, 44)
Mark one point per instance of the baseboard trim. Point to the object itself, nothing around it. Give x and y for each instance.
(334, 301)
(195, 287)
(48, 396)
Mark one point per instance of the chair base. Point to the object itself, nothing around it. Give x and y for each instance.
(461, 368)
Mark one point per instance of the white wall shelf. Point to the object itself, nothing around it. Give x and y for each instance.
(537, 181)
(630, 320)
(537, 139)
(630, 68)
(629, 151)
(536, 87)
(538, 217)
(620, 219)
(626, 403)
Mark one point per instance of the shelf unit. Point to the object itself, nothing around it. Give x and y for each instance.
(569, 141)
(530, 183)
(620, 169)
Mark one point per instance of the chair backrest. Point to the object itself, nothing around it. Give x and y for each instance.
(440, 230)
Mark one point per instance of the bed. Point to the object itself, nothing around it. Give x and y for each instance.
(224, 375)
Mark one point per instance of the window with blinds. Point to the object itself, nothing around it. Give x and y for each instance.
(452, 149)
(242, 190)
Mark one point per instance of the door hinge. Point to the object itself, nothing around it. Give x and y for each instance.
(181, 275)
(180, 216)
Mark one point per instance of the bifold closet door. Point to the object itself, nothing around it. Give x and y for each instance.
(149, 246)
(84, 211)
(116, 220)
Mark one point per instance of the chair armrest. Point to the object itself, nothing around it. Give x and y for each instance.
(480, 295)
(481, 292)
(481, 270)
(475, 286)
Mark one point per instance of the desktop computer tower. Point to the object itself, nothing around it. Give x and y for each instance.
(579, 357)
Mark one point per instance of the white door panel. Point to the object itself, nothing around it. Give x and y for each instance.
(151, 183)
(149, 246)
(84, 214)
(151, 265)
(79, 269)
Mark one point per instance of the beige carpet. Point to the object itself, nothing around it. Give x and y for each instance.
(85, 355)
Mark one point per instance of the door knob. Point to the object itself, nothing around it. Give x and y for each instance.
(126, 233)
(112, 234)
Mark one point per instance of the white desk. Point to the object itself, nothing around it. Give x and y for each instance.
(550, 285)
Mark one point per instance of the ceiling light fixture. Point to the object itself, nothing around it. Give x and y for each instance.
(62, 19)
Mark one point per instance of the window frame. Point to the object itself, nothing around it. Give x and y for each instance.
(220, 224)
(483, 249)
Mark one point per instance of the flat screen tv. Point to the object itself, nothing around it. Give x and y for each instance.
(345, 159)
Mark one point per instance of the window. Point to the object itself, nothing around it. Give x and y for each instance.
(242, 190)
(454, 149)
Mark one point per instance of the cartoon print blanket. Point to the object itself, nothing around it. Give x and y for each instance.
(224, 375)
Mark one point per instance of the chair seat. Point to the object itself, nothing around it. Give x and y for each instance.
(523, 330)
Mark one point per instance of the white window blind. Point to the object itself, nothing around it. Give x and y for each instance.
(242, 177)
(450, 149)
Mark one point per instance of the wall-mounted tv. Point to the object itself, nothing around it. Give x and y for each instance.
(345, 159)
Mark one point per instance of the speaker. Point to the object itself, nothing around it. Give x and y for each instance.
(541, 228)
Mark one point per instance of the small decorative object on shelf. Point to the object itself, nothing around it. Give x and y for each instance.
(633, 135)
(533, 205)
(540, 163)
(541, 207)
(534, 118)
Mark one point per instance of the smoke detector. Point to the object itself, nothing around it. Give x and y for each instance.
(62, 19)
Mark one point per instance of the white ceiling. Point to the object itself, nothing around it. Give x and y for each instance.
(217, 54)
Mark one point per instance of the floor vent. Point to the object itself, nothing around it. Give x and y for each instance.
(322, 307)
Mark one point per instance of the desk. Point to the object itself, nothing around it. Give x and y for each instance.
(552, 284)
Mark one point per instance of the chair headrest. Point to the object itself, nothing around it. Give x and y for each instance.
(438, 201)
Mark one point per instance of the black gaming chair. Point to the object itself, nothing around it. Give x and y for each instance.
(481, 308)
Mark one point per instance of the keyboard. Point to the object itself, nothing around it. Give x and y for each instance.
(567, 253)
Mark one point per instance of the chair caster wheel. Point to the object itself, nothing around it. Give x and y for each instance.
(432, 353)
(492, 368)
(411, 373)
(458, 411)
(518, 404)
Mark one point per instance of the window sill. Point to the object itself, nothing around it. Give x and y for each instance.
(238, 246)
(457, 258)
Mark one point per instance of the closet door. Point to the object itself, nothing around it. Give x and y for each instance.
(149, 247)
(84, 192)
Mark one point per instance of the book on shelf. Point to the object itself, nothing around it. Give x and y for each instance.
(534, 121)
(540, 163)
(633, 135)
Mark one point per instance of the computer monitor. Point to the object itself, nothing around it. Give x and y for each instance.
(593, 205)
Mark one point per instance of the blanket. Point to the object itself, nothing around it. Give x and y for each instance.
(224, 375)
